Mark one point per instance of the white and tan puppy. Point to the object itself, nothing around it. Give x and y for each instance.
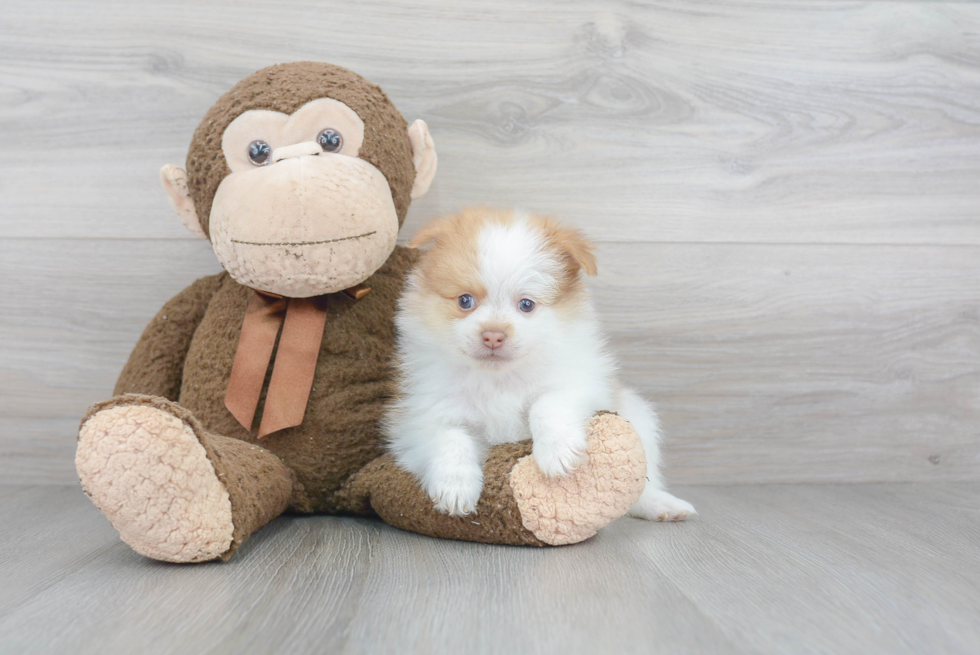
(499, 342)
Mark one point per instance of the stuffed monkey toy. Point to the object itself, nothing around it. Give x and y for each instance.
(259, 390)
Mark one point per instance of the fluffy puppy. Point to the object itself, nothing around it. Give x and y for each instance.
(499, 342)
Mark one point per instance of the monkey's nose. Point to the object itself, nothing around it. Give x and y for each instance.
(296, 150)
(493, 339)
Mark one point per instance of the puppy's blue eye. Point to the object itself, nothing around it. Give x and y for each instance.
(525, 305)
(465, 301)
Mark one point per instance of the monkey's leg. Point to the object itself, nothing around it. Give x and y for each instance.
(519, 504)
(174, 491)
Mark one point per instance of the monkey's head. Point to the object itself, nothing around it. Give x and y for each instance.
(301, 176)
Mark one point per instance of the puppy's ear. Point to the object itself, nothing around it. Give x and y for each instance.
(429, 233)
(576, 248)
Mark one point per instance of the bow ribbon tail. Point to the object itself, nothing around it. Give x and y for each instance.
(295, 365)
(263, 318)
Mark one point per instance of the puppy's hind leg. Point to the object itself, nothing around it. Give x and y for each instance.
(655, 504)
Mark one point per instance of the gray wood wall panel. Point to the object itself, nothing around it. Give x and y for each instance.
(816, 121)
(786, 196)
(769, 362)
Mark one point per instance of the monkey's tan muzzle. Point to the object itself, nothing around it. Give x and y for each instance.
(304, 225)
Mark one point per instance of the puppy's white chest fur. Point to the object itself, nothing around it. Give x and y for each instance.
(494, 406)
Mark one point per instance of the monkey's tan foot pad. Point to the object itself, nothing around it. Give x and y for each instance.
(146, 470)
(568, 510)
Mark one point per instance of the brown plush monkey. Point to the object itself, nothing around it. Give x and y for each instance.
(259, 389)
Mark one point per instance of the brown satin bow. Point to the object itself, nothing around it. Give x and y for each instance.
(302, 321)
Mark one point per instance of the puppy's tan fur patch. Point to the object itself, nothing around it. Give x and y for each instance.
(451, 267)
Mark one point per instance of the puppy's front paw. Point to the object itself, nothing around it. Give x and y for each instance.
(455, 491)
(658, 505)
(559, 448)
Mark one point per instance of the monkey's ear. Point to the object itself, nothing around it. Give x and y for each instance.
(174, 180)
(423, 157)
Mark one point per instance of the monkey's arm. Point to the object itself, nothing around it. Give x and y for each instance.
(156, 365)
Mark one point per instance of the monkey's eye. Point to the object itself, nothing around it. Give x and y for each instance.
(525, 305)
(330, 140)
(259, 153)
(465, 301)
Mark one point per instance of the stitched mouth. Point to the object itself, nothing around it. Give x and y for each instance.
(303, 243)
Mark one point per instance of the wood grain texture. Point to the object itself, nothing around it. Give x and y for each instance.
(769, 363)
(802, 363)
(785, 196)
(55, 521)
(816, 121)
(764, 569)
(832, 568)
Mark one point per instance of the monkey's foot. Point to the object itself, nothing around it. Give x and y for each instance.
(174, 491)
(567, 510)
(147, 471)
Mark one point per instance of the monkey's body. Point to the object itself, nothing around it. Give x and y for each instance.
(338, 436)
(177, 474)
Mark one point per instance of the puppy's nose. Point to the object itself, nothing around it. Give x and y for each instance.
(492, 339)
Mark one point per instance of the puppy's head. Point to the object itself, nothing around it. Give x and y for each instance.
(497, 285)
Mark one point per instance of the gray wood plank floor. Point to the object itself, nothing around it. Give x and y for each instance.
(874, 568)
